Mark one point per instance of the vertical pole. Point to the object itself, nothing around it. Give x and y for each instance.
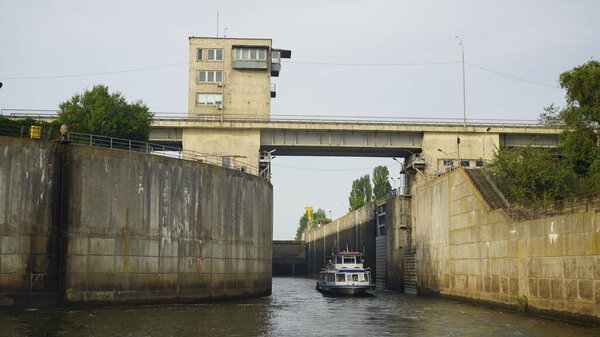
(462, 48)
(464, 86)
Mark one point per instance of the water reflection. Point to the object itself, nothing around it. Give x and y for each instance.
(294, 309)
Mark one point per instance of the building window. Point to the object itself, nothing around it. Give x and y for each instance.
(448, 162)
(465, 163)
(215, 54)
(251, 54)
(479, 163)
(199, 54)
(275, 56)
(209, 99)
(210, 76)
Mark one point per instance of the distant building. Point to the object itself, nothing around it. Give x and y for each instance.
(230, 78)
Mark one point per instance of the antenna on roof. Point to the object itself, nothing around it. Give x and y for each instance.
(217, 23)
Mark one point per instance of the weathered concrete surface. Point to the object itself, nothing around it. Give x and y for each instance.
(355, 231)
(28, 245)
(398, 221)
(147, 229)
(466, 249)
(289, 258)
(135, 228)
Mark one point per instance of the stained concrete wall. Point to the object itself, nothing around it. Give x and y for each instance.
(467, 250)
(398, 222)
(136, 228)
(28, 242)
(355, 231)
(289, 258)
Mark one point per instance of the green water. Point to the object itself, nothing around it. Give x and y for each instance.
(294, 309)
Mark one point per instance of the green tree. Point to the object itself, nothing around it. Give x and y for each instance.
(583, 95)
(98, 112)
(319, 217)
(361, 193)
(530, 176)
(582, 117)
(578, 148)
(381, 184)
(551, 116)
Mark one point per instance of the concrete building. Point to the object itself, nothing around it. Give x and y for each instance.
(230, 78)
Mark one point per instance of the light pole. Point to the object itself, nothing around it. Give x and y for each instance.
(402, 179)
(462, 48)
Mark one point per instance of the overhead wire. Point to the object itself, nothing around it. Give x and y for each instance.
(291, 62)
(511, 76)
(94, 74)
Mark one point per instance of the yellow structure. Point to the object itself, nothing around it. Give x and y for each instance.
(309, 213)
(230, 78)
(35, 132)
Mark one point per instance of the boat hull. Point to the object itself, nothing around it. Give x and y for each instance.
(344, 289)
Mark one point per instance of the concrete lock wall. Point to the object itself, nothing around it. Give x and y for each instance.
(289, 258)
(398, 223)
(465, 249)
(354, 231)
(139, 228)
(28, 240)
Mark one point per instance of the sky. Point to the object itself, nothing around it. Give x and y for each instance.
(349, 58)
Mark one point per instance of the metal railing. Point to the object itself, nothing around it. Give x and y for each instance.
(580, 203)
(75, 138)
(310, 119)
(160, 150)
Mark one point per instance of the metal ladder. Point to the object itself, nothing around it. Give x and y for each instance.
(410, 265)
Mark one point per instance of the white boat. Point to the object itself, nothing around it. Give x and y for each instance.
(345, 274)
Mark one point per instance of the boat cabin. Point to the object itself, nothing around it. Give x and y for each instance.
(348, 267)
(345, 260)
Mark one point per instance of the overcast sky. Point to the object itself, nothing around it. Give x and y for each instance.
(525, 44)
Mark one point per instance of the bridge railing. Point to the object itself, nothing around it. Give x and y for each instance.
(160, 150)
(308, 119)
(75, 138)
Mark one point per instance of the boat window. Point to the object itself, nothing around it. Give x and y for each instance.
(348, 259)
(330, 277)
(340, 277)
(367, 277)
(355, 277)
(339, 260)
(361, 277)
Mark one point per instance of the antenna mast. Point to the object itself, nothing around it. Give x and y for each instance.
(217, 23)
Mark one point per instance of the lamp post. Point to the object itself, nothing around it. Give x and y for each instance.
(402, 179)
(462, 48)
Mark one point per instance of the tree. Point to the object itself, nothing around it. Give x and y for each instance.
(581, 116)
(361, 193)
(578, 148)
(319, 217)
(583, 95)
(98, 112)
(531, 176)
(381, 184)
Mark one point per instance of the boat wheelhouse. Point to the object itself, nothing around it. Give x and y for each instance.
(345, 274)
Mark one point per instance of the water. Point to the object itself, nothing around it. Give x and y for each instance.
(294, 309)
